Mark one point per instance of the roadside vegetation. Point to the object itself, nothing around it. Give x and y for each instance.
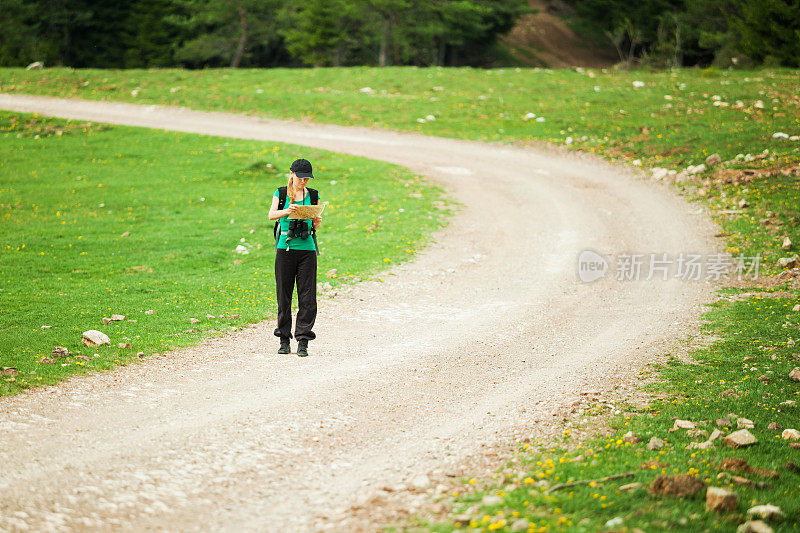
(98, 220)
(730, 140)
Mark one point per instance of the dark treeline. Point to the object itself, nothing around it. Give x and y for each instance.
(665, 33)
(248, 33)
(265, 33)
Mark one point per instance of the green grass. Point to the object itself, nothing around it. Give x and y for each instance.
(69, 191)
(751, 328)
(671, 122)
(602, 112)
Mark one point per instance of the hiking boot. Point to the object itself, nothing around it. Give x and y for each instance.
(285, 347)
(302, 348)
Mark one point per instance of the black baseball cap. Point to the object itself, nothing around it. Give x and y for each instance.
(302, 168)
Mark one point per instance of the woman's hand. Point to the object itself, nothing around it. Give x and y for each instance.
(292, 208)
(317, 222)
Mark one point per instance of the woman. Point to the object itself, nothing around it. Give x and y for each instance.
(295, 258)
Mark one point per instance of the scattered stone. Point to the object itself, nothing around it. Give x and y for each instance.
(655, 444)
(788, 262)
(630, 437)
(729, 393)
(796, 308)
(749, 358)
(739, 439)
(788, 404)
(106, 321)
(95, 338)
(737, 464)
(125, 345)
(765, 379)
(713, 160)
(47, 361)
(126, 234)
(680, 485)
(139, 354)
(47, 327)
(82, 358)
(794, 375)
(631, 487)
(210, 316)
(723, 422)
(149, 312)
(700, 445)
(743, 203)
(791, 467)
(36, 65)
(771, 513)
(743, 423)
(754, 526)
(774, 426)
(787, 244)
(420, 482)
(332, 273)
(10, 371)
(697, 433)
(696, 169)
(615, 522)
(683, 424)
(60, 351)
(117, 318)
(719, 499)
(520, 525)
(194, 321)
(233, 316)
(491, 499)
(790, 434)
(794, 445)
(716, 434)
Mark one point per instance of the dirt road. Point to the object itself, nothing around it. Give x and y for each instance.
(485, 334)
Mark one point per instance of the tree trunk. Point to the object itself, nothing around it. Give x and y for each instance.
(383, 54)
(237, 57)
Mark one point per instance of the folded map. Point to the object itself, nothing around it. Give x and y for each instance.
(308, 211)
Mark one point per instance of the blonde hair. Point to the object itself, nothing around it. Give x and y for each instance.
(290, 189)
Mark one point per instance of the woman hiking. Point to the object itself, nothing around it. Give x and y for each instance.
(295, 258)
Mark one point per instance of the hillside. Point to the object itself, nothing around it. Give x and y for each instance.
(543, 39)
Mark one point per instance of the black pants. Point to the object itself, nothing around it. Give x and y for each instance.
(299, 266)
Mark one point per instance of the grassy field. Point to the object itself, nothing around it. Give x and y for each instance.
(653, 119)
(672, 118)
(98, 220)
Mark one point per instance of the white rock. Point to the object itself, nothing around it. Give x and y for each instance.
(430, 117)
(420, 482)
(766, 512)
(790, 434)
(36, 65)
(530, 116)
(617, 520)
(655, 444)
(743, 423)
(491, 499)
(95, 338)
(787, 244)
(780, 135)
(638, 84)
(684, 424)
(754, 526)
(367, 90)
(540, 119)
(794, 375)
(117, 318)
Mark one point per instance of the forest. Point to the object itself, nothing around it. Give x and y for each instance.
(267, 33)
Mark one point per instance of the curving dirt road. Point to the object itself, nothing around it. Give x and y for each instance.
(485, 333)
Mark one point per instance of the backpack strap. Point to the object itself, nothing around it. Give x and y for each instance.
(281, 203)
(314, 197)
